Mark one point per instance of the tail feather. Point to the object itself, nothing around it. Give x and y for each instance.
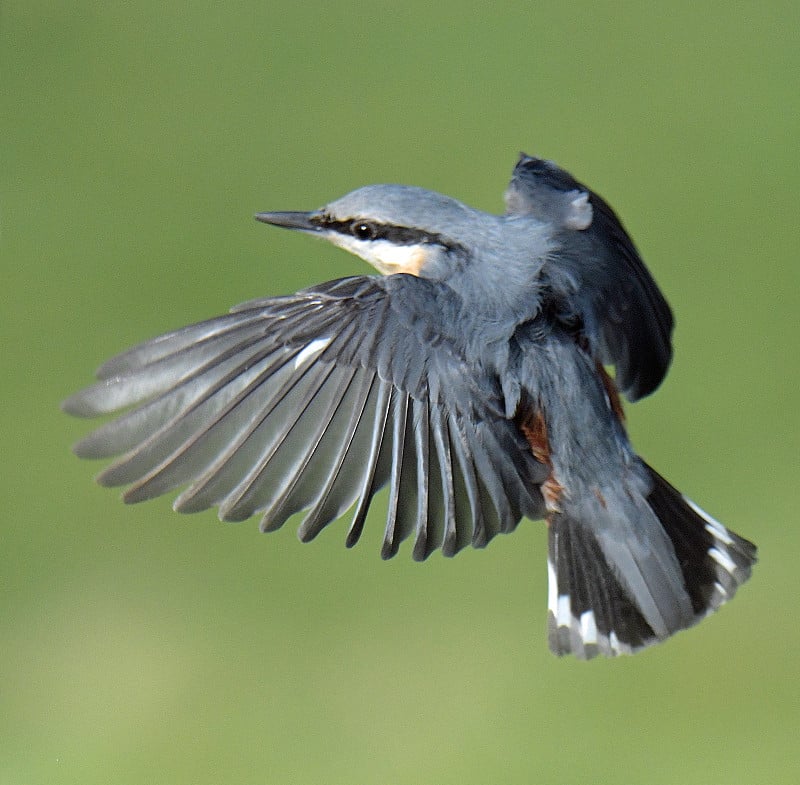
(594, 607)
(589, 612)
(714, 560)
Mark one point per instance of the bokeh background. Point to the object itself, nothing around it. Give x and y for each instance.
(138, 138)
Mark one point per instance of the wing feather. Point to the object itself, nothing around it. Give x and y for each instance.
(340, 489)
(239, 434)
(401, 468)
(276, 464)
(597, 282)
(471, 488)
(378, 465)
(450, 540)
(425, 515)
(314, 402)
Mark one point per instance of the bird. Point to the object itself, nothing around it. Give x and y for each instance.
(473, 377)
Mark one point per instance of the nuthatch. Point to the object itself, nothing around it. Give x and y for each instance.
(470, 379)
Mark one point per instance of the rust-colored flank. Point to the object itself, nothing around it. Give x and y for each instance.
(534, 429)
(612, 393)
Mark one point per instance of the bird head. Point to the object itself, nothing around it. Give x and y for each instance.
(396, 228)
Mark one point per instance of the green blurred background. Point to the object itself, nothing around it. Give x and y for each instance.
(139, 646)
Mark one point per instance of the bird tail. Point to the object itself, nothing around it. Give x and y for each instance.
(627, 570)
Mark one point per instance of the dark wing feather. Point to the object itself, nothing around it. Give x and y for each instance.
(597, 280)
(314, 402)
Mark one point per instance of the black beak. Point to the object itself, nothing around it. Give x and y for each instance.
(304, 222)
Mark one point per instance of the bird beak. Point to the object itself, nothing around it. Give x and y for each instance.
(303, 222)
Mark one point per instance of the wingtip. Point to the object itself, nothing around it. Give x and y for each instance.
(82, 449)
(77, 405)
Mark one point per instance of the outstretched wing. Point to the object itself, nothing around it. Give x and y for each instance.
(598, 278)
(314, 402)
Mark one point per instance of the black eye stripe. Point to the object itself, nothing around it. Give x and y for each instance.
(364, 230)
(372, 230)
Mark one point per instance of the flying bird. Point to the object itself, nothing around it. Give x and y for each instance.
(470, 378)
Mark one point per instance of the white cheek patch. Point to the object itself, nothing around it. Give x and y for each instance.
(386, 257)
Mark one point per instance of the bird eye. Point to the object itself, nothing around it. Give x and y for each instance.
(363, 230)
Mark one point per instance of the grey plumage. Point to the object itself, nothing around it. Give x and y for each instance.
(469, 379)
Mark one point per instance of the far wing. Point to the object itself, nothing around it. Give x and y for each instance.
(599, 279)
(314, 402)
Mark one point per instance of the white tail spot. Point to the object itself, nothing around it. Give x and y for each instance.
(724, 561)
(713, 526)
(588, 628)
(564, 611)
(552, 589)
